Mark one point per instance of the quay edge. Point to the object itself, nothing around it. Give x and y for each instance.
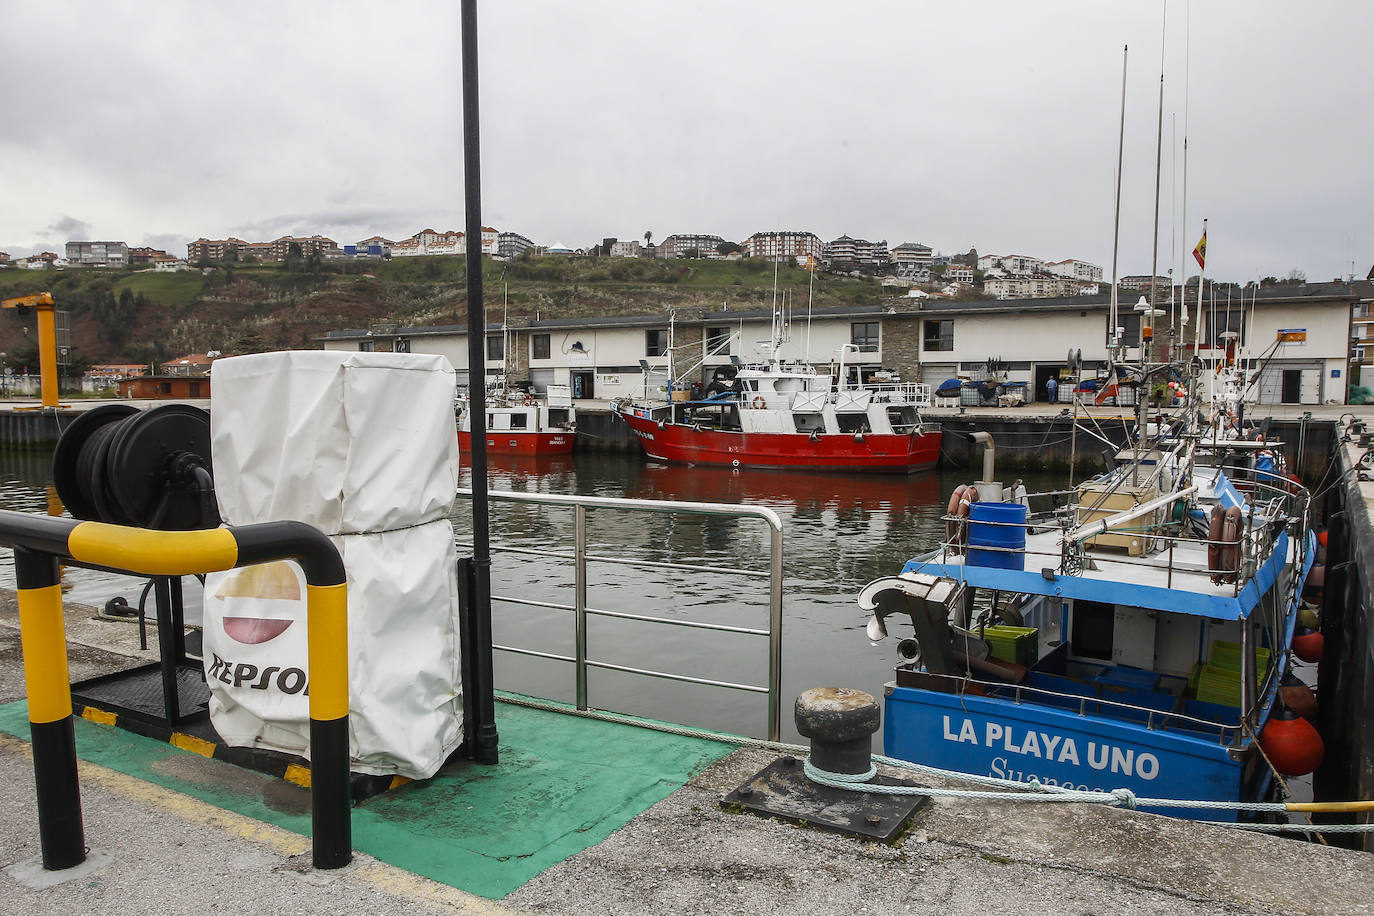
(682, 854)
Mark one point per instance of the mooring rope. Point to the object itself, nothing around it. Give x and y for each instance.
(1032, 791)
(1036, 792)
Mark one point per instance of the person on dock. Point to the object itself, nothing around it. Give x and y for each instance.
(1052, 388)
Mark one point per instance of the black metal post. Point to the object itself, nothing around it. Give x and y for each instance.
(483, 702)
(167, 648)
(60, 832)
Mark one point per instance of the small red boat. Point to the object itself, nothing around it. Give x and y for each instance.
(524, 424)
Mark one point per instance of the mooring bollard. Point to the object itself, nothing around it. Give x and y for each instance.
(840, 722)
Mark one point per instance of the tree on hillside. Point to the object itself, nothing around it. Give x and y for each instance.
(1295, 276)
(606, 244)
(649, 237)
(729, 248)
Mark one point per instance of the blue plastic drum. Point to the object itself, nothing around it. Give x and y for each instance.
(999, 528)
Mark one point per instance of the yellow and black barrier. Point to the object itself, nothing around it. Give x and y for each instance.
(39, 542)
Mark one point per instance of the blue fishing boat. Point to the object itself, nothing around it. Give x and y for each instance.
(1136, 637)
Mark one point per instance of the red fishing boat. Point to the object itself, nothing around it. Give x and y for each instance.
(786, 414)
(522, 423)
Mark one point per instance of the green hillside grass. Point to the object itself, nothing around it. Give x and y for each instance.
(170, 289)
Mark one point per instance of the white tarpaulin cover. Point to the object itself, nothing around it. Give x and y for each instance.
(363, 446)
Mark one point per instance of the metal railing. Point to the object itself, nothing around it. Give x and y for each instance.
(1154, 719)
(580, 556)
(40, 542)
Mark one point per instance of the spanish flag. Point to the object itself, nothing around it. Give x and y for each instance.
(1200, 252)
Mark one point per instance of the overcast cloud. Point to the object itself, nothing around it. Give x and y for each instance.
(990, 124)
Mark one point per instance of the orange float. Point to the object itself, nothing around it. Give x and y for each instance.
(1308, 644)
(1291, 743)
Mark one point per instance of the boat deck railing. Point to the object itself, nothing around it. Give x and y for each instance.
(581, 556)
(1267, 503)
(1152, 718)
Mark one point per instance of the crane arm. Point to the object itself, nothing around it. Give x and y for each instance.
(27, 301)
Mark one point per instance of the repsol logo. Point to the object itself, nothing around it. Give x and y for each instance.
(287, 680)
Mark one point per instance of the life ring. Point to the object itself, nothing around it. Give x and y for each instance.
(758, 403)
(1223, 544)
(1214, 525)
(960, 504)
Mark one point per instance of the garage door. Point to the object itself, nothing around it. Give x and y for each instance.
(1291, 383)
(935, 373)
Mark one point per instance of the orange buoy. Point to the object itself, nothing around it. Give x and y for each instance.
(1321, 537)
(1291, 743)
(1298, 697)
(1307, 644)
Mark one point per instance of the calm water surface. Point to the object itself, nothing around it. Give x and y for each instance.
(839, 531)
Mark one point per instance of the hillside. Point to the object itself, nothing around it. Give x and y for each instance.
(140, 317)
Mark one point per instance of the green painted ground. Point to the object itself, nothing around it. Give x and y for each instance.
(563, 784)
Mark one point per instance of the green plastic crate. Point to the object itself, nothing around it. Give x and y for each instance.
(1020, 645)
(1227, 655)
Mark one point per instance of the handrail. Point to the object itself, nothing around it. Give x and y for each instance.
(40, 541)
(580, 557)
(1083, 699)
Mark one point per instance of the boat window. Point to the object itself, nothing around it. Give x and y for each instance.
(519, 420)
(1093, 629)
(852, 422)
(903, 419)
(808, 422)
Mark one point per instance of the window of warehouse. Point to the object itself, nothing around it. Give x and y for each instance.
(939, 334)
(539, 346)
(496, 348)
(864, 335)
(655, 343)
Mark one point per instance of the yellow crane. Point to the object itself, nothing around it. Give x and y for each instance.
(43, 304)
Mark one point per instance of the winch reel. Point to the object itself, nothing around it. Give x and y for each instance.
(142, 468)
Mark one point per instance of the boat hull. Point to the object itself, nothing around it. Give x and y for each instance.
(508, 442)
(870, 453)
(989, 736)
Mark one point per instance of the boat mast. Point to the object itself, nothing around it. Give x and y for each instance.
(1147, 325)
(1116, 213)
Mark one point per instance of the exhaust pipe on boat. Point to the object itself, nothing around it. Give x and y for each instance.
(989, 490)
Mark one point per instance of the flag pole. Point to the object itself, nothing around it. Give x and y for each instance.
(1202, 270)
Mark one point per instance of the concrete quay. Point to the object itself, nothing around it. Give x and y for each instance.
(157, 848)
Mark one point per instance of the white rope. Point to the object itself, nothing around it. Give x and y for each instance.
(1038, 793)
(1030, 791)
(846, 780)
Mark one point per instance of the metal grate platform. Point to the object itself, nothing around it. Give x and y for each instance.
(137, 693)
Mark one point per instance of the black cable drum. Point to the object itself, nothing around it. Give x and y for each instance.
(145, 468)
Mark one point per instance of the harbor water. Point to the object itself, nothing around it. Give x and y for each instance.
(839, 532)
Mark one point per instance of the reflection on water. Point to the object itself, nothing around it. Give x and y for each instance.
(840, 531)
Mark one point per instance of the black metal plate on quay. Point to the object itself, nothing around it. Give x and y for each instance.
(136, 693)
(72, 471)
(137, 462)
(782, 790)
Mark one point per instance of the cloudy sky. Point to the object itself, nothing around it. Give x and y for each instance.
(987, 124)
